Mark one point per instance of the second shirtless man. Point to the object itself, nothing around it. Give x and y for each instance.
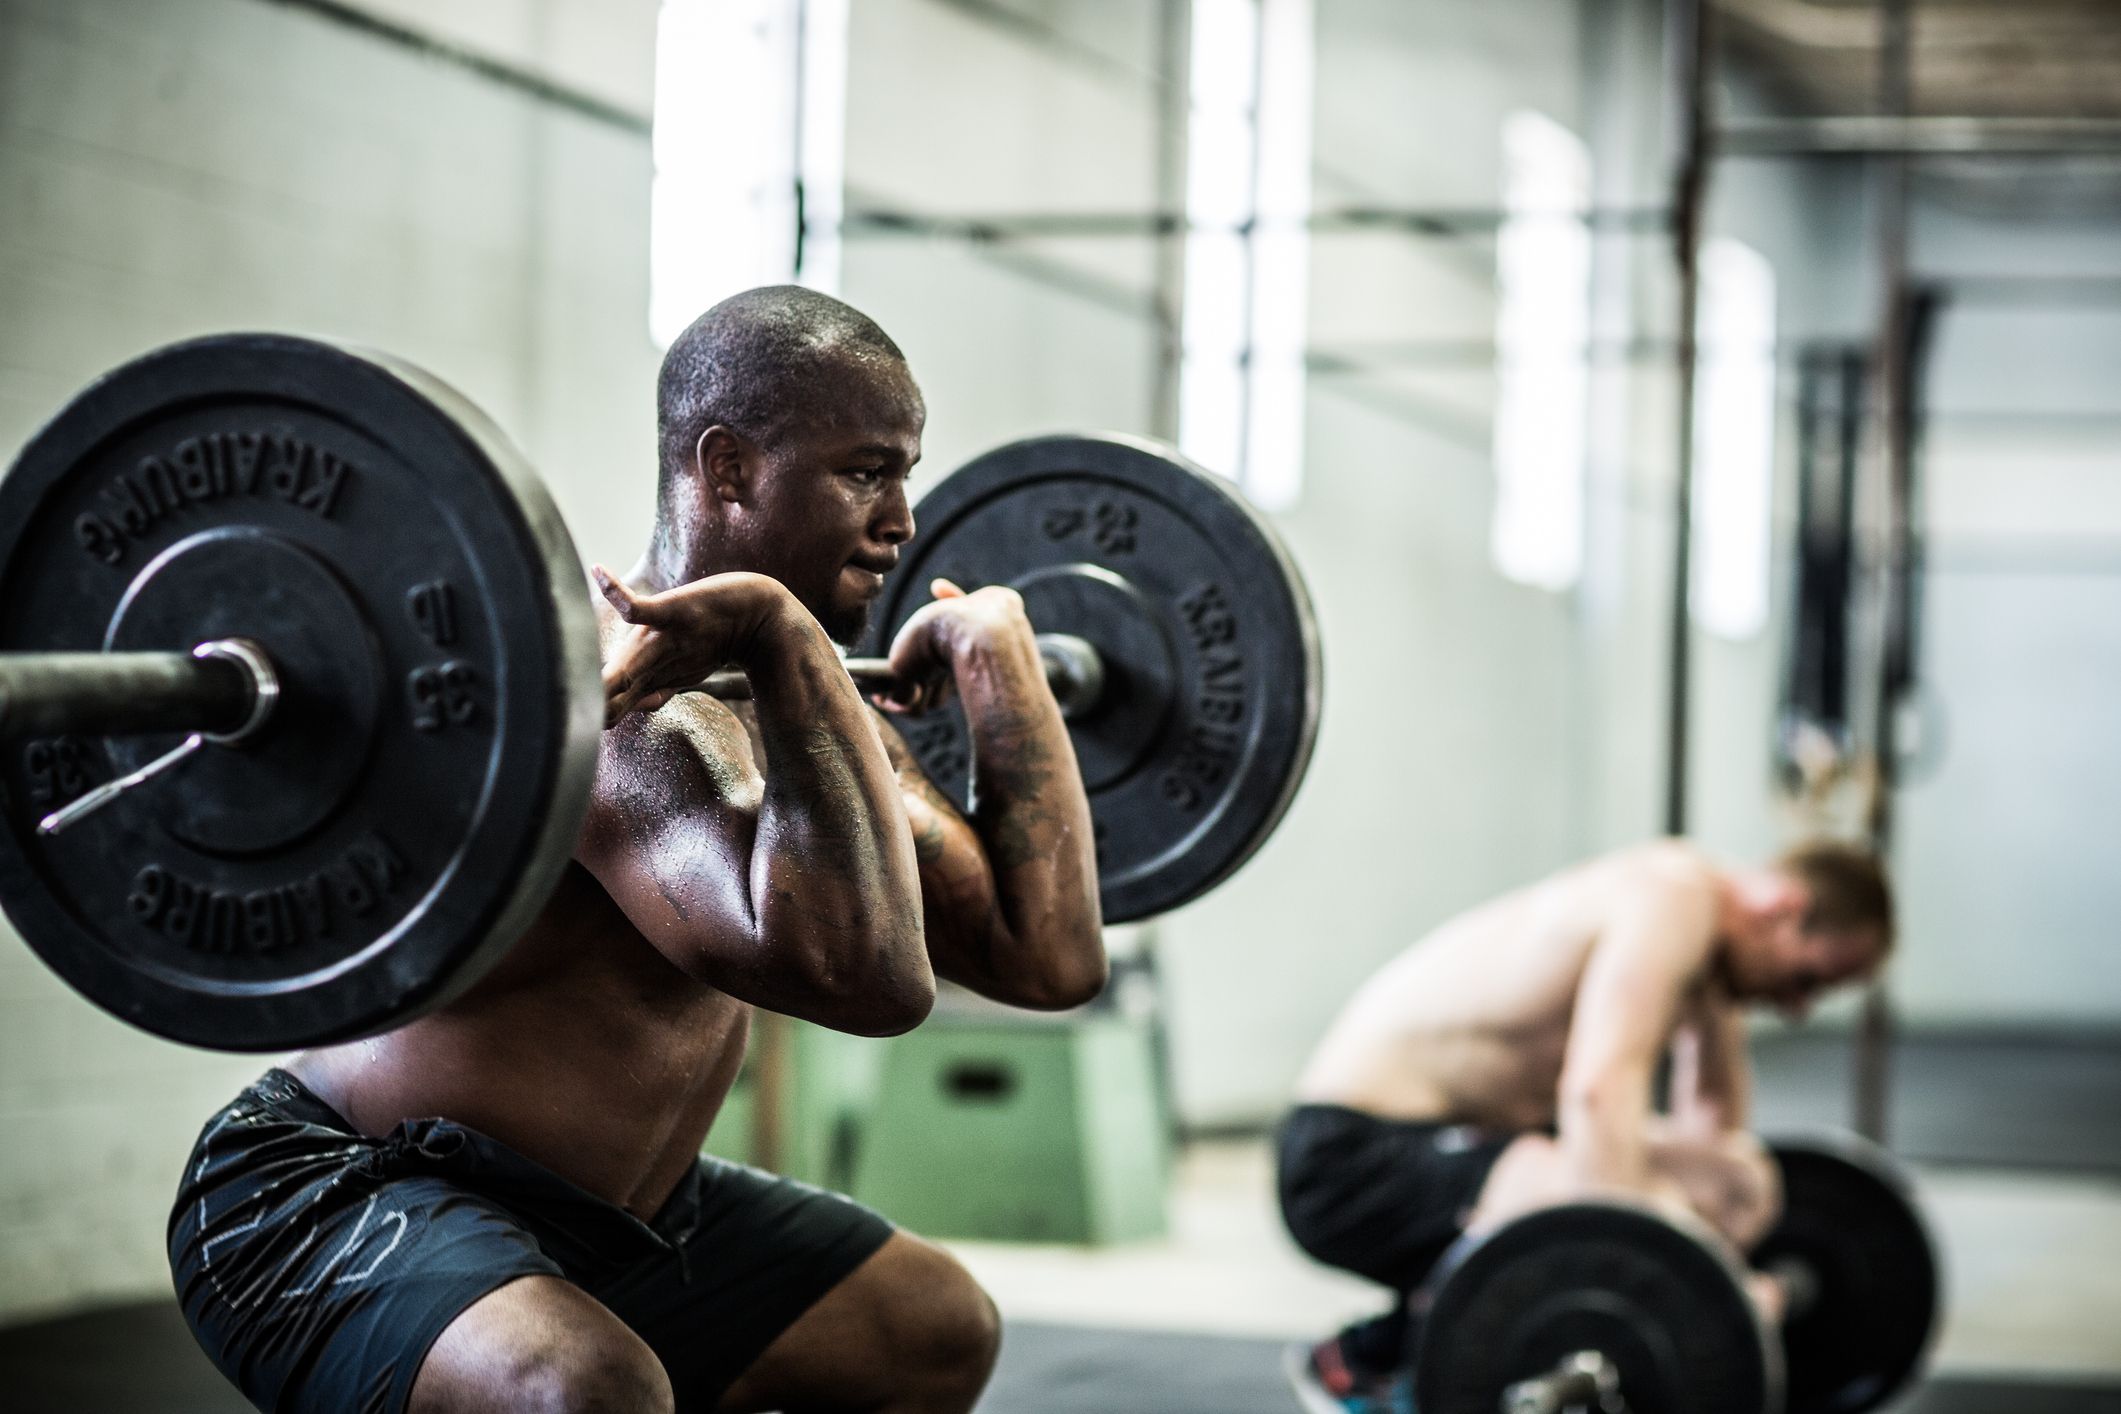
(1506, 1062)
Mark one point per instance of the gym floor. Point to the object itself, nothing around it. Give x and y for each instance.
(1198, 1320)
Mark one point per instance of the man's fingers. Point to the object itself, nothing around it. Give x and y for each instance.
(649, 610)
(944, 589)
(615, 593)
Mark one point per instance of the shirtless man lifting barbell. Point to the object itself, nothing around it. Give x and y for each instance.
(502, 1205)
(1506, 1063)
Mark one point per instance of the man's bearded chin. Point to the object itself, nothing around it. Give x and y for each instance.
(846, 626)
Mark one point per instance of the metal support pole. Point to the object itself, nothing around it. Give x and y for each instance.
(1874, 1034)
(1173, 116)
(1692, 44)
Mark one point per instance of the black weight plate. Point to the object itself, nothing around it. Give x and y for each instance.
(1206, 631)
(404, 812)
(1662, 1303)
(1849, 1215)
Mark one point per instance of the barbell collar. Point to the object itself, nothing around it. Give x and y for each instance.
(1074, 671)
(1585, 1379)
(251, 661)
(1800, 1285)
(218, 694)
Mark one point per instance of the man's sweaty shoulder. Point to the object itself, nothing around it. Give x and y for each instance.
(691, 753)
(1471, 1020)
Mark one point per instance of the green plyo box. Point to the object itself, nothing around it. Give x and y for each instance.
(831, 1079)
(1034, 1131)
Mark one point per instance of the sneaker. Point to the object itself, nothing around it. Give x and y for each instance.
(1324, 1384)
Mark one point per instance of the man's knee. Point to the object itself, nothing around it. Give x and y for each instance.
(540, 1345)
(945, 1332)
(589, 1378)
(1528, 1174)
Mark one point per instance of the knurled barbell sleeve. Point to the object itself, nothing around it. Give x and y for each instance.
(121, 694)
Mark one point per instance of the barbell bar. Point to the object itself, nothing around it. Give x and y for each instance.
(216, 694)
(122, 694)
(1074, 671)
(222, 692)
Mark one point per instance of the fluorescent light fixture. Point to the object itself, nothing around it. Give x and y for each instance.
(750, 101)
(1734, 440)
(1542, 341)
(1248, 192)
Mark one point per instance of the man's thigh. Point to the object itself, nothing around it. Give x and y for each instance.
(756, 1253)
(1378, 1197)
(908, 1329)
(1530, 1174)
(312, 1279)
(1727, 1180)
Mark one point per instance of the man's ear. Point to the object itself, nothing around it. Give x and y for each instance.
(1775, 895)
(1789, 899)
(719, 457)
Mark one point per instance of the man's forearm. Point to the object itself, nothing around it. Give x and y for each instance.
(1602, 1134)
(1030, 810)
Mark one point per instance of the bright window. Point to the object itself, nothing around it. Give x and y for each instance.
(750, 109)
(1248, 193)
(1734, 440)
(1542, 349)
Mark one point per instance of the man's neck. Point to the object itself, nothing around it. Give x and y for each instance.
(670, 560)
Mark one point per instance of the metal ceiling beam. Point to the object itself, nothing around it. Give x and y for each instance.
(1001, 227)
(528, 82)
(1891, 136)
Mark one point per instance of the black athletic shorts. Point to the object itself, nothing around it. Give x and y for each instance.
(316, 1265)
(1378, 1197)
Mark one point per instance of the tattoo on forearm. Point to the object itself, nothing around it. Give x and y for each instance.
(928, 841)
(1009, 799)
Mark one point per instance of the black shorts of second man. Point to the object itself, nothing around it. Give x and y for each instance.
(316, 1265)
(1381, 1198)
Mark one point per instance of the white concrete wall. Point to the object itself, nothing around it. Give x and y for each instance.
(952, 113)
(176, 167)
(2009, 822)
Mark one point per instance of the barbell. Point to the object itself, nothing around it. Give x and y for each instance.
(1608, 1307)
(300, 699)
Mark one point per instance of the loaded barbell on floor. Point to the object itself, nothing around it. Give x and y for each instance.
(300, 701)
(1606, 1306)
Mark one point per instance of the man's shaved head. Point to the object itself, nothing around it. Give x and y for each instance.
(762, 363)
(787, 425)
